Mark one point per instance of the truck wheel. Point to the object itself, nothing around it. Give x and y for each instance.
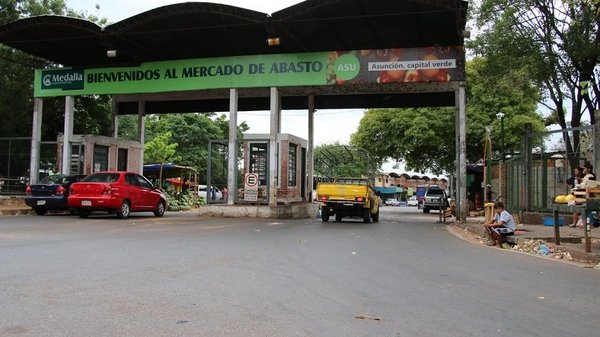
(325, 215)
(425, 209)
(338, 217)
(376, 216)
(366, 215)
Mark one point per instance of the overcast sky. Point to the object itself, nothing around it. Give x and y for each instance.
(330, 125)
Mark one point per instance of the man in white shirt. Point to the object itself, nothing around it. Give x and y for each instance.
(501, 225)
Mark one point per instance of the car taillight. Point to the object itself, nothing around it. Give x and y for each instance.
(71, 191)
(60, 190)
(324, 198)
(28, 190)
(107, 190)
(360, 199)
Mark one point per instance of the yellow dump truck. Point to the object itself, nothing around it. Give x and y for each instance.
(348, 197)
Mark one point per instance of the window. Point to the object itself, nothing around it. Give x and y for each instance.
(102, 178)
(100, 158)
(131, 179)
(122, 160)
(142, 181)
(258, 161)
(292, 165)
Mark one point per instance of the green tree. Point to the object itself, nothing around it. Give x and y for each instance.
(193, 131)
(92, 114)
(160, 149)
(557, 43)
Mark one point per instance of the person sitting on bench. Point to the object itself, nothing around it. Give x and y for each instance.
(501, 225)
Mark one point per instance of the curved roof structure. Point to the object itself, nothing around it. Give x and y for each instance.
(198, 30)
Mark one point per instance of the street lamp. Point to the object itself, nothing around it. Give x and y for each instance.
(500, 116)
(502, 186)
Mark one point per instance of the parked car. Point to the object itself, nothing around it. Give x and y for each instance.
(392, 202)
(51, 193)
(217, 195)
(412, 201)
(116, 192)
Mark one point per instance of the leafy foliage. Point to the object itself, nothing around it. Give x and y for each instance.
(419, 136)
(192, 132)
(160, 149)
(556, 43)
(179, 201)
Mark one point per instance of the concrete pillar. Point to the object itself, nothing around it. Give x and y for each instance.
(462, 162)
(67, 134)
(36, 138)
(141, 131)
(273, 151)
(115, 118)
(310, 158)
(596, 147)
(233, 147)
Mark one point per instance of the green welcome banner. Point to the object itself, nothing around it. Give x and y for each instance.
(434, 64)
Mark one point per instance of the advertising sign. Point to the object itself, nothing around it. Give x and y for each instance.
(433, 64)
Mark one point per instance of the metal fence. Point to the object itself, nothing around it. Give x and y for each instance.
(534, 181)
(15, 160)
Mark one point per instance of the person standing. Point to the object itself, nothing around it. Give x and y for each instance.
(572, 182)
(501, 225)
(575, 178)
(588, 175)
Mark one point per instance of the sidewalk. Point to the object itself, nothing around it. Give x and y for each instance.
(530, 237)
(10, 205)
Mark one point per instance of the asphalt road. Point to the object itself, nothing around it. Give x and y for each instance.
(183, 275)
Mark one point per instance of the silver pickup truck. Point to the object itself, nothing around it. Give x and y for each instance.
(431, 200)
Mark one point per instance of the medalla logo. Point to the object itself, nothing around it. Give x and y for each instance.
(65, 79)
(47, 80)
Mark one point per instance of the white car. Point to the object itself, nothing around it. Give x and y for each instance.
(412, 201)
(217, 195)
(392, 202)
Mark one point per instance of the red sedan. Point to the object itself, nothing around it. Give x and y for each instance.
(116, 192)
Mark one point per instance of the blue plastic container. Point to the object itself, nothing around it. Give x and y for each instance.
(550, 221)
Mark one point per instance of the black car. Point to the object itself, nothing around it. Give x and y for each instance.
(51, 193)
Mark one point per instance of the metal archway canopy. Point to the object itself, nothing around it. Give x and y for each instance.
(196, 30)
(201, 30)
